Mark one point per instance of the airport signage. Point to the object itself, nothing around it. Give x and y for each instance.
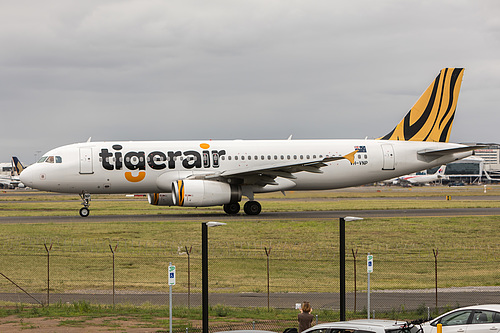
(369, 263)
(171, 275)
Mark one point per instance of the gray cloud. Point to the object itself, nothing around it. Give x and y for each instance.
(140, 70)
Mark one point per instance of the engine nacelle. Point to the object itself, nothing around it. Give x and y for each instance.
(160, 199)
(203, 193)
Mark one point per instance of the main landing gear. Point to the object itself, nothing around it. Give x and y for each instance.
(251, 208)
(85, 211)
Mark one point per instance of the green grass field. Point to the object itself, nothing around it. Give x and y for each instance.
(468, 246)
(304, 255)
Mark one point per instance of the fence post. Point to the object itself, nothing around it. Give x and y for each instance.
(268, 253)
(48, 271)
(113, 253)
(189, 275)
(354, 254)
(435, 252)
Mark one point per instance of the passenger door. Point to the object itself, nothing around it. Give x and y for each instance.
(389, 162)
(484, 321)
(86, 161)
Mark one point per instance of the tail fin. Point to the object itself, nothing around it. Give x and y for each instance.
(431, 117)
(441, 170)
(18, 166)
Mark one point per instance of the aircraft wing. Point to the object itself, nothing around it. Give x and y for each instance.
(264, 175)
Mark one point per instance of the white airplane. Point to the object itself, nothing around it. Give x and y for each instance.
(13, 180)
(424, 179)
(212, 173)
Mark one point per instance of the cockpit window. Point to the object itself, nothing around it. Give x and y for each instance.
(50, 159)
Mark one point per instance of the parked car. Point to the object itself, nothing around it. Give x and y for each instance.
(365, 326)
(470, 319)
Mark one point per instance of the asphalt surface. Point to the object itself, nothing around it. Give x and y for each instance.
(379, 300)
(319, 215)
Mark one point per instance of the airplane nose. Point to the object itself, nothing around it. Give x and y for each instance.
(26, 177)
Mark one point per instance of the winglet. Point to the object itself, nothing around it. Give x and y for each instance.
(350, 156)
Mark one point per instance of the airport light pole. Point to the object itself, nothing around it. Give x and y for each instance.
(342, 221)
(204, 269)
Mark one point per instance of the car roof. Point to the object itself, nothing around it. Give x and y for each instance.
(361, 323)
(492, 307)
(245, 331)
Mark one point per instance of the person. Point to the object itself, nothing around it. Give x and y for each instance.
(305, 317)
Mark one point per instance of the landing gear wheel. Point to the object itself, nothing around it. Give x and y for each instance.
(232, 208)
(84, 212)
(252, 208)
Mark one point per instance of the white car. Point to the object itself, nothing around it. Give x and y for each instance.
(470, 319)
(364, 326)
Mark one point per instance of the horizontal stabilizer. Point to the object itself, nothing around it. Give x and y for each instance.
(448, 151)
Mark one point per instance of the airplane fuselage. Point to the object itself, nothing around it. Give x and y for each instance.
(152, 166)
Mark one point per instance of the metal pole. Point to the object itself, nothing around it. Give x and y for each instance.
(268, 253)
(170, 303)
(189, 275)
(368, 295)
(354, 254)
(342, 268)
(113, 252)
(436, 275)
(48, 271)
(204, 275)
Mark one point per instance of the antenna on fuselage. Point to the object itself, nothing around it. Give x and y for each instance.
(290, 137)
(90, 138)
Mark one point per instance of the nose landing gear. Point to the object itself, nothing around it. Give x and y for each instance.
(85, 211)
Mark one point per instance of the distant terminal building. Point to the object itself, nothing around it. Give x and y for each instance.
(491, 157)
(479, 168)
(5, 169)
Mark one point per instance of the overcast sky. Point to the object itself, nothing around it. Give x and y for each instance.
(179, 70)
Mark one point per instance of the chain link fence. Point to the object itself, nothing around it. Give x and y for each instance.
(403, 277)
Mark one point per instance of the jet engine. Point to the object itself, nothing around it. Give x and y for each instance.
(160, 199)
(202, 193)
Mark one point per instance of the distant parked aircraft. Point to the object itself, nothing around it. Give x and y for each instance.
(424, 179)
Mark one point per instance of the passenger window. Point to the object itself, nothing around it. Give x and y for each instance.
(287, 157)
(236, 158)
(223, 157)
(275, 157)
(308, 157)
(455, 318)
(483, 317)
(229, 158)
(257, 157)
(282, 157)
(314, 156)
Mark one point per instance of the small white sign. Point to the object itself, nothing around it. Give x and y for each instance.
(298, 306)
(369, 263)
(171, 275)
